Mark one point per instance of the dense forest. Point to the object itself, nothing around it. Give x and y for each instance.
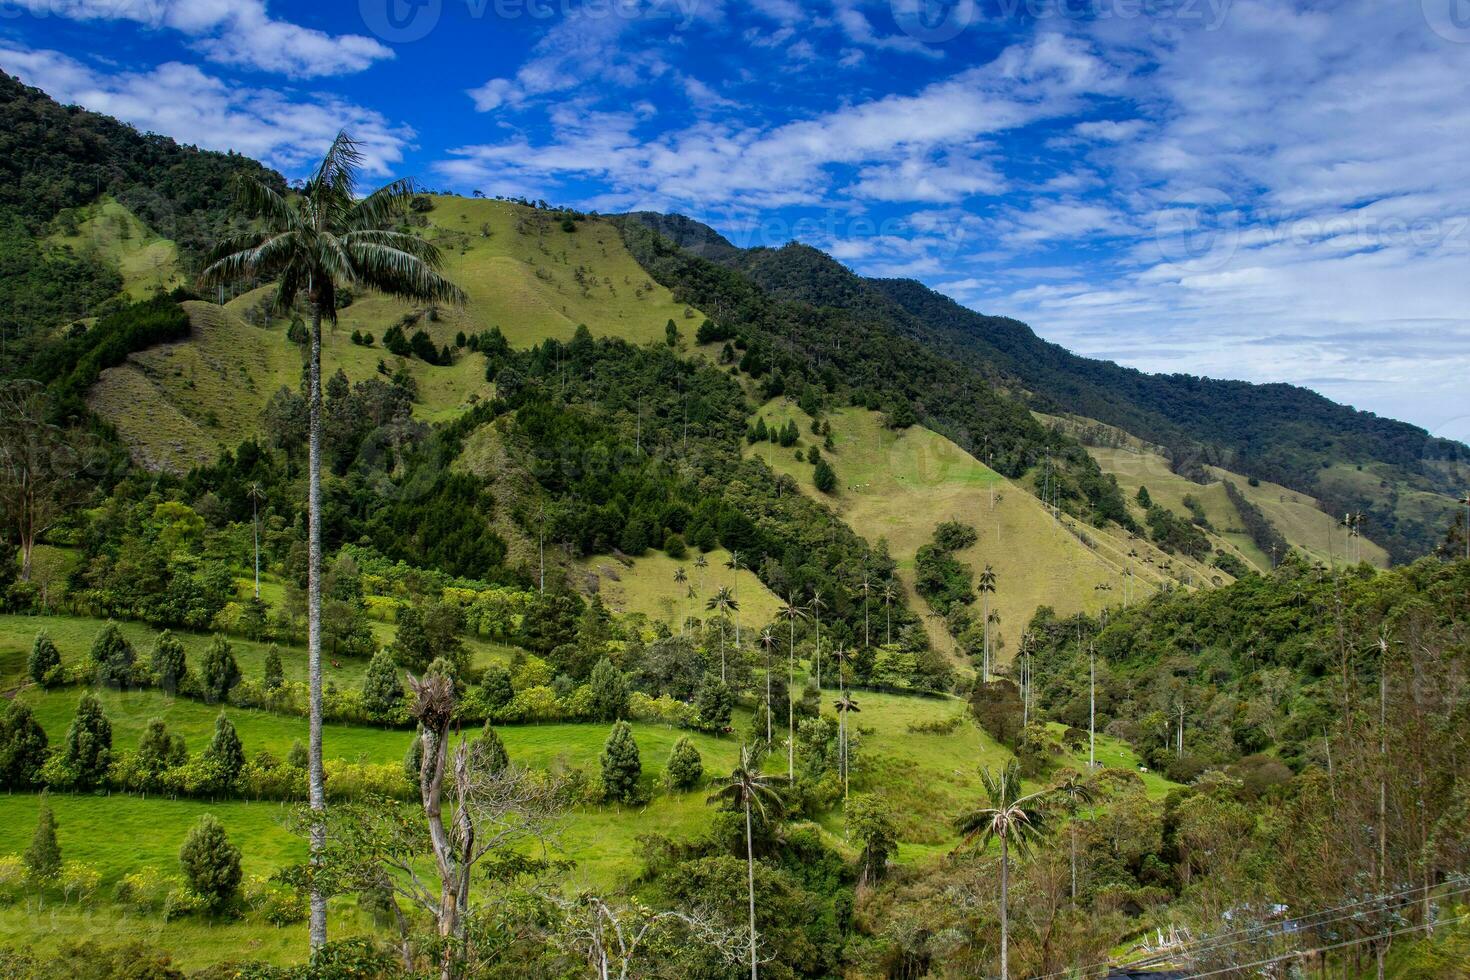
(55, 159)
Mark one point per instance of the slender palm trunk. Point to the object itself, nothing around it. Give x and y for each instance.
(255, 517)
(1073, 830)
(768, 699)
(317, 783)
(1005, 924)
(750, 879)
(791, 708)
(722, 653)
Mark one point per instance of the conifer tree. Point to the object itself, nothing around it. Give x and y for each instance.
(685, 768)
(211, 863)
(112, 656)
(43, 857)
(609, 692)
(225, 755)
(168, 661)
(219, 672)
(382, 692)
(275, 674)
(44, 665)
(621, 767)
(88, 750)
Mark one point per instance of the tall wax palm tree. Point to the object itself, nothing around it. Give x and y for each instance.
(768, 640)
(681, 577)
(747, 789)
(310, 243)
(256, 494)
(816, 606)
(722, 602)
(1017, 821)
(843, 704)
(889, 593)
(792, 612)
(1073, 792)
(866, 588)
(986, 588)
(735, 564)
(700, 564)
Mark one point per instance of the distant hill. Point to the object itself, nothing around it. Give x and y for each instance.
(1277, 432)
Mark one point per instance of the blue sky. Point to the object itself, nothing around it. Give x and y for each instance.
(1273, 191)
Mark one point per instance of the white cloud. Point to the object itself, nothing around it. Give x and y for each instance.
(232, 32)
(193, 107)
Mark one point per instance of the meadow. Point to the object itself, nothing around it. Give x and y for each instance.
(898, 485)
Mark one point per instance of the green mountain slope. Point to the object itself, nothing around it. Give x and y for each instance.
(1272, 432)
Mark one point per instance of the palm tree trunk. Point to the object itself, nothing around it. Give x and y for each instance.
(1073, 828)
(750, 877)
(722, 653)
(1005, 876)
(791, 707)
(317, 791)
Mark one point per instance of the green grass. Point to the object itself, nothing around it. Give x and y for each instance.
(73, 637)
(647, 586)
(177, 405)
(114, 236)
(899, 485)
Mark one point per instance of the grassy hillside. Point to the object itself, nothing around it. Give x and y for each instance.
(899, 485)
(177, 405)
(1297, 516)
(109, 233)
(533, 280)
(646, 585)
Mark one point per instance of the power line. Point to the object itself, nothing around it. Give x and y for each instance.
(1342, 945)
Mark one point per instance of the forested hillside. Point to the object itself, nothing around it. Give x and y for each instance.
(1276, 432)
(54, 161)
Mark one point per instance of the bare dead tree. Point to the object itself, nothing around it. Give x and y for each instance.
(39, 468)
(613, 938)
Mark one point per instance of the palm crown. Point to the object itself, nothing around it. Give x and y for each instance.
(323, 236)
(1018, 820)
(747, 786)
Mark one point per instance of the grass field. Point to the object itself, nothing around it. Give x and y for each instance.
(899, 485)
(647, 586)
(177, 405)
(111, 234)
(1296, 515)
(521, 271)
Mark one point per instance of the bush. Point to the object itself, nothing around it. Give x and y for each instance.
(79, 881)
(621, 766)
(685, 768)
(112, 657)
(44, 665)
(141, 892)
(211, 864)
(12, 878)
(495, 688)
